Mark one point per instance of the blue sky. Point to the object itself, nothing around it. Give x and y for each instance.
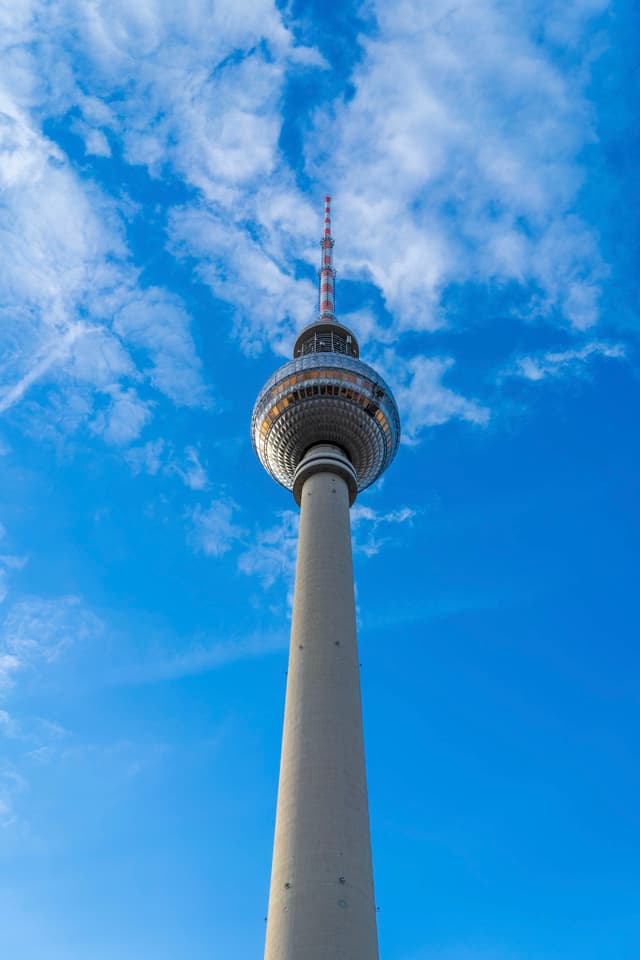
(162, 173)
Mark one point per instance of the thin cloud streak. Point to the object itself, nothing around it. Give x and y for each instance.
(57, 351)
(562, 363)
(204, 657)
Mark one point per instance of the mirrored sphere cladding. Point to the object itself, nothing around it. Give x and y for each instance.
(325, 398)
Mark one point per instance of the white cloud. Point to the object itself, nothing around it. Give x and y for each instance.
(95, 141)
(187, 74)
(562, 363)
(204, 101)
(458, 166)
(8, 563)
(159, 456)
(149, 458)
(253, 275)
(8, 726)
(66, 257)
(563, 22)
(196, 91)
(214, 531)
(124, 418)
(192, 472)
(66, 269)
(372, 530)
(157, 324)
(423, 398)
(272, 555)
(37, 632)
(53, 353)
(12, 783)
(457, 160)
(65, 237)
(9, 665)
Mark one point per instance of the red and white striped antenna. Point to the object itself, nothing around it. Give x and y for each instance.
(326, 273)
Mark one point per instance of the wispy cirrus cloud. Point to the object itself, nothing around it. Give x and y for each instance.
(12, 784)
(425, 400)
(459, 151)
(272, 555)
(36, 632)
(68, 259)
(214, 530)
(8, 726)
(8, 563)
(373, 529)
(54, 353)
(205, 655)
(191, 470)
(65, 275)
(256, 276)
(456, 158)
(460, 166)
(184, 74)
(160, 457)
(35, 635)
(563, 363)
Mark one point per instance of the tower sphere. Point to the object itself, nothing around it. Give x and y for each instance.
(321, 398)
(325, 395)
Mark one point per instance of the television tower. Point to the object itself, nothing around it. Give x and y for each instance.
(325, 426)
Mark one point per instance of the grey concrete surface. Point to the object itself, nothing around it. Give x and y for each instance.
(321, 903)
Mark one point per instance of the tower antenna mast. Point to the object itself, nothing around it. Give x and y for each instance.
(326, 273)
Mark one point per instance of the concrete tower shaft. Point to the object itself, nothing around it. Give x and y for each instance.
(321, 902)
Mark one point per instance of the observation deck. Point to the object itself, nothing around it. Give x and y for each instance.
(325, 397)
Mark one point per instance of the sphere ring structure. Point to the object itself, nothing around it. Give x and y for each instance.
(325, 398)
